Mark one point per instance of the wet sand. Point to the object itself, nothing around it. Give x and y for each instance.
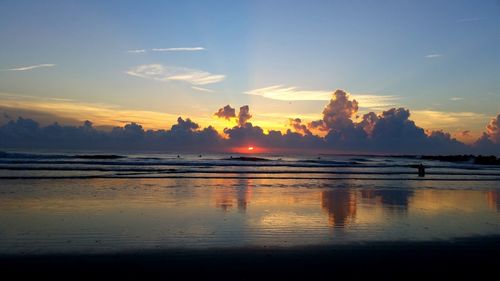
(475, 258)
(249, 229)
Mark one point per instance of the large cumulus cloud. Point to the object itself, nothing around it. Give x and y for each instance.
(392, 131)
(338, 113)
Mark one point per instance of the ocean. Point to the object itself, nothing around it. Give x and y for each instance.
(108, 203)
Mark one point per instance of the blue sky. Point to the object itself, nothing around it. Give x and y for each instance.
(440, 59)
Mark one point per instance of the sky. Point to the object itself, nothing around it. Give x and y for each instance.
(149, 62)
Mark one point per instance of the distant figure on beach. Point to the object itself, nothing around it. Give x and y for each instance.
(178, 156)
(421, 170)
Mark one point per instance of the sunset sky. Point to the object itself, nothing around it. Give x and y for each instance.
(116, 62)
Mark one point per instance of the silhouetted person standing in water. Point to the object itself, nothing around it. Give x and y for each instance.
(421, 170)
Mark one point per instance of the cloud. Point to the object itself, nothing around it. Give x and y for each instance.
(433, 56)
(185, 125)
(172, 73)
(181, 49)
(244, 115)
(31, 67)
(45, 118)
(48, 110)
(197, 77)
(433, 119)
(139, 51)
(338, 113)
(489, 142)
(376, 101)
(185, 135)
(493, 129)
(368, 123)
(280, 92)
(202, 89)
(456, 99)
(248, 134)
(298, 127)
(226, 112)
(391, 131)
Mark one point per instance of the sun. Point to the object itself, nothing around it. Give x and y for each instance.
(248, 149)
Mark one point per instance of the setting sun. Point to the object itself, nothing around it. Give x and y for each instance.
(249, 149)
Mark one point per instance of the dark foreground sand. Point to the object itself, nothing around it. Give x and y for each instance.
(475, 258)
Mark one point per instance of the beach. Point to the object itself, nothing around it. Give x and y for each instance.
(345, 215)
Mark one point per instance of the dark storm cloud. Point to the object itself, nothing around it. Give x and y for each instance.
(391, 131)
(226, 112)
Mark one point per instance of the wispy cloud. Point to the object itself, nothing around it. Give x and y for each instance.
(433, 56)
(202, 89)
(172, 73)
(456, 98)
(280, 92)
(180, 49)
(138, 51)
(30, 67)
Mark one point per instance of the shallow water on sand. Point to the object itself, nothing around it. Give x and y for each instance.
(40, 216)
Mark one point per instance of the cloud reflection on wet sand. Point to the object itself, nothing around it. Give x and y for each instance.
(115, 214)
